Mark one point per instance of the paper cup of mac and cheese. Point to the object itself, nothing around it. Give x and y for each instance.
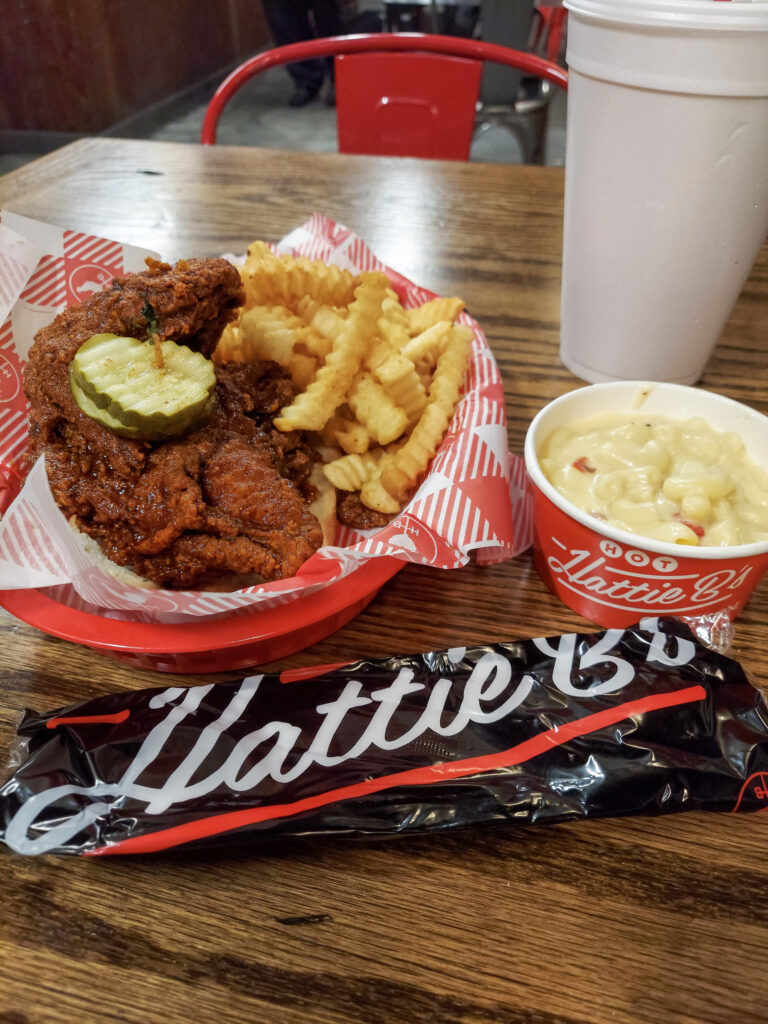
(649, 499)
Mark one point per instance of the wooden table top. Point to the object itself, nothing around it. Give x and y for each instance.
(633, 921)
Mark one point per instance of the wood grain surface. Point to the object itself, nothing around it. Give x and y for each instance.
(633, 921)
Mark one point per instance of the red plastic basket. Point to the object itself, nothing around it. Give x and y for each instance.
(219, 644)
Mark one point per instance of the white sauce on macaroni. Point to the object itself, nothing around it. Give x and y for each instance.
(670, 480)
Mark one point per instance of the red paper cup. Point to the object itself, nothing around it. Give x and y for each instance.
(614, 577)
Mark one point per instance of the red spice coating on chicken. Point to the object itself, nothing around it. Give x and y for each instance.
(230, 497)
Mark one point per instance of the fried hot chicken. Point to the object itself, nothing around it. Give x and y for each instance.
(231, 497)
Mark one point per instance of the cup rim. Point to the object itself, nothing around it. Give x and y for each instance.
(703, 15)
(625, 537)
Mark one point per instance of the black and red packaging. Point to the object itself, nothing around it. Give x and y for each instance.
(645, 720)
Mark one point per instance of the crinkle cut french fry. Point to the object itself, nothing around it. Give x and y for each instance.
(313, 343)
(327, 321)
(302, 369)
(374, 408)
(373, 495)
(229, 346)
(349, 472)
(268, 333)
(366, 369)
(430, 313)
(325, 325)
(379, 351)
(285, 280)
(313, 408)
(402, 383)
(258, 251)
(353, 439)
(306, 308)
(401, 475)
(336, 423)
(426, 346)
(342, 431)
(392, 327)
(394, 335)
(393, 310)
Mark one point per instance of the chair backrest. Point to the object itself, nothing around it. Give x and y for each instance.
(405, 104)
(416, 98)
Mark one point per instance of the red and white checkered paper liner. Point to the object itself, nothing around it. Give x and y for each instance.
(473, 500)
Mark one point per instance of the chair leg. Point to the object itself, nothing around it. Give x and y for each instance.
(526, 120)
(547, 32)
(540, 118)
(538, 30)
(528, 129)
(555, 34)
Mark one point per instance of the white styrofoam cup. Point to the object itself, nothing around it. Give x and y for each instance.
(666, 194)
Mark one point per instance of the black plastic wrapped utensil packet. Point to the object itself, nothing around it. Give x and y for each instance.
(645, 720)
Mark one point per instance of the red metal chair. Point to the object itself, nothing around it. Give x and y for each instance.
(549, 29)
(399, 94)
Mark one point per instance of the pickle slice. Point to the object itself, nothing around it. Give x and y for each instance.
(118, 427)
(101, 415)
(139, 399)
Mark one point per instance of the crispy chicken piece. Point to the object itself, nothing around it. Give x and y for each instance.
(230, 497)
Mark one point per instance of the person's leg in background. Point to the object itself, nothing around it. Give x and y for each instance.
(327, 18)
(289, 23)
(327, 15)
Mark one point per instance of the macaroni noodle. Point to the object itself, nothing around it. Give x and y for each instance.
(670, 480)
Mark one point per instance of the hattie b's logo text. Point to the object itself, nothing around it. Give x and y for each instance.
(281, 752)
(632, 579)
